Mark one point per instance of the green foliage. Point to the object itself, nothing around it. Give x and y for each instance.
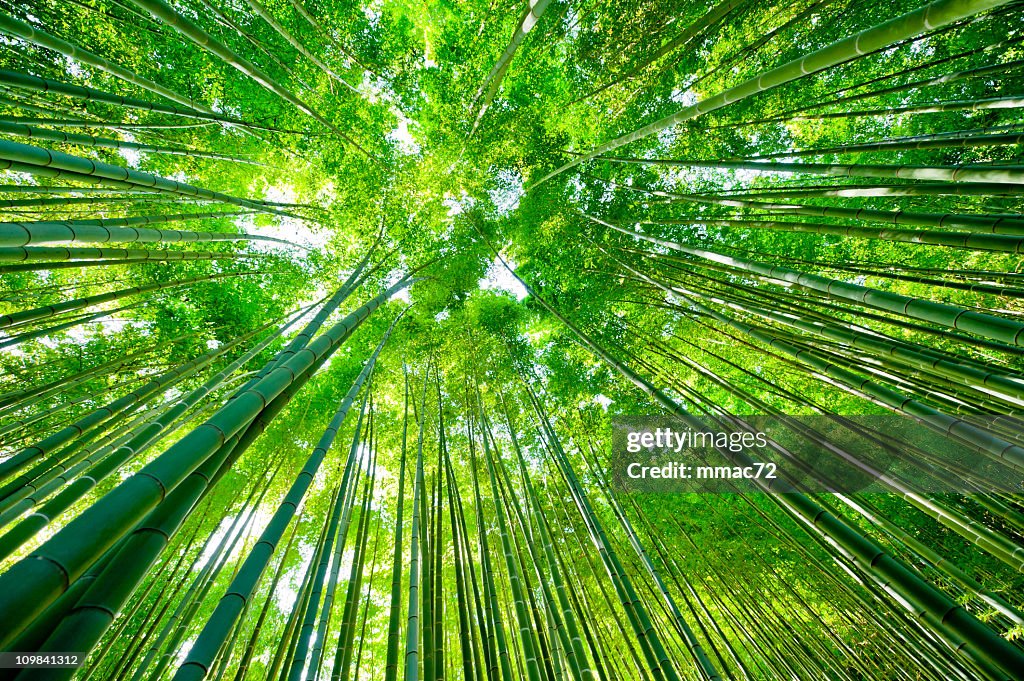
(528, 328)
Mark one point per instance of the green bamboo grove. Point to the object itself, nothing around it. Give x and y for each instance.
(320, 321)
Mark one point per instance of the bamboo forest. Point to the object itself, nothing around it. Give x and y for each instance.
(376, 340)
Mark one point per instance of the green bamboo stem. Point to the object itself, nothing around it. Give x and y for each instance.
(31, 131)
(250, 648)
(56, 257)
(22, 316)
(905, 144)
(166, 14)
(395, 607)
(122, 454)
(976, 72)
(1000, 174)
(83, 540)
(20, 29)
(931, 606)
(996, 224)
(973, 241)
(117, 230)
(11, 341)
(416, 555)
(970, 105)
(931, 16)
(37, 160)
(340, 669)
(978, 438)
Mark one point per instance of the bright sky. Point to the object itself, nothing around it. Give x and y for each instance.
(498, 278)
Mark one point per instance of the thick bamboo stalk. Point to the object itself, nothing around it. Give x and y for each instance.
(71, 550)
(934, 608)
(20, 29)
(999, 174)
(167, 15)
(42, 161)
(929, 17)
(14, 235)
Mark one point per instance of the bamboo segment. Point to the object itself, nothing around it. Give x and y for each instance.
(242, 588)
(14, 27)
(83, 540)
(929, 17)
(29, 158)
(163, 12)
(116, 230)
(986, 325)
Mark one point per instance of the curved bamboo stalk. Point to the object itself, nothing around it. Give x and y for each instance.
(41, 161)
(929, 17)
(20, 29)
(963, 173)
(71, 550)
(979, 71)
(118, 230)
(167, 15)
(996, 224)
(21, 130)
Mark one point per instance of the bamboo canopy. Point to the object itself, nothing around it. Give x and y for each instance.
(332, 335)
